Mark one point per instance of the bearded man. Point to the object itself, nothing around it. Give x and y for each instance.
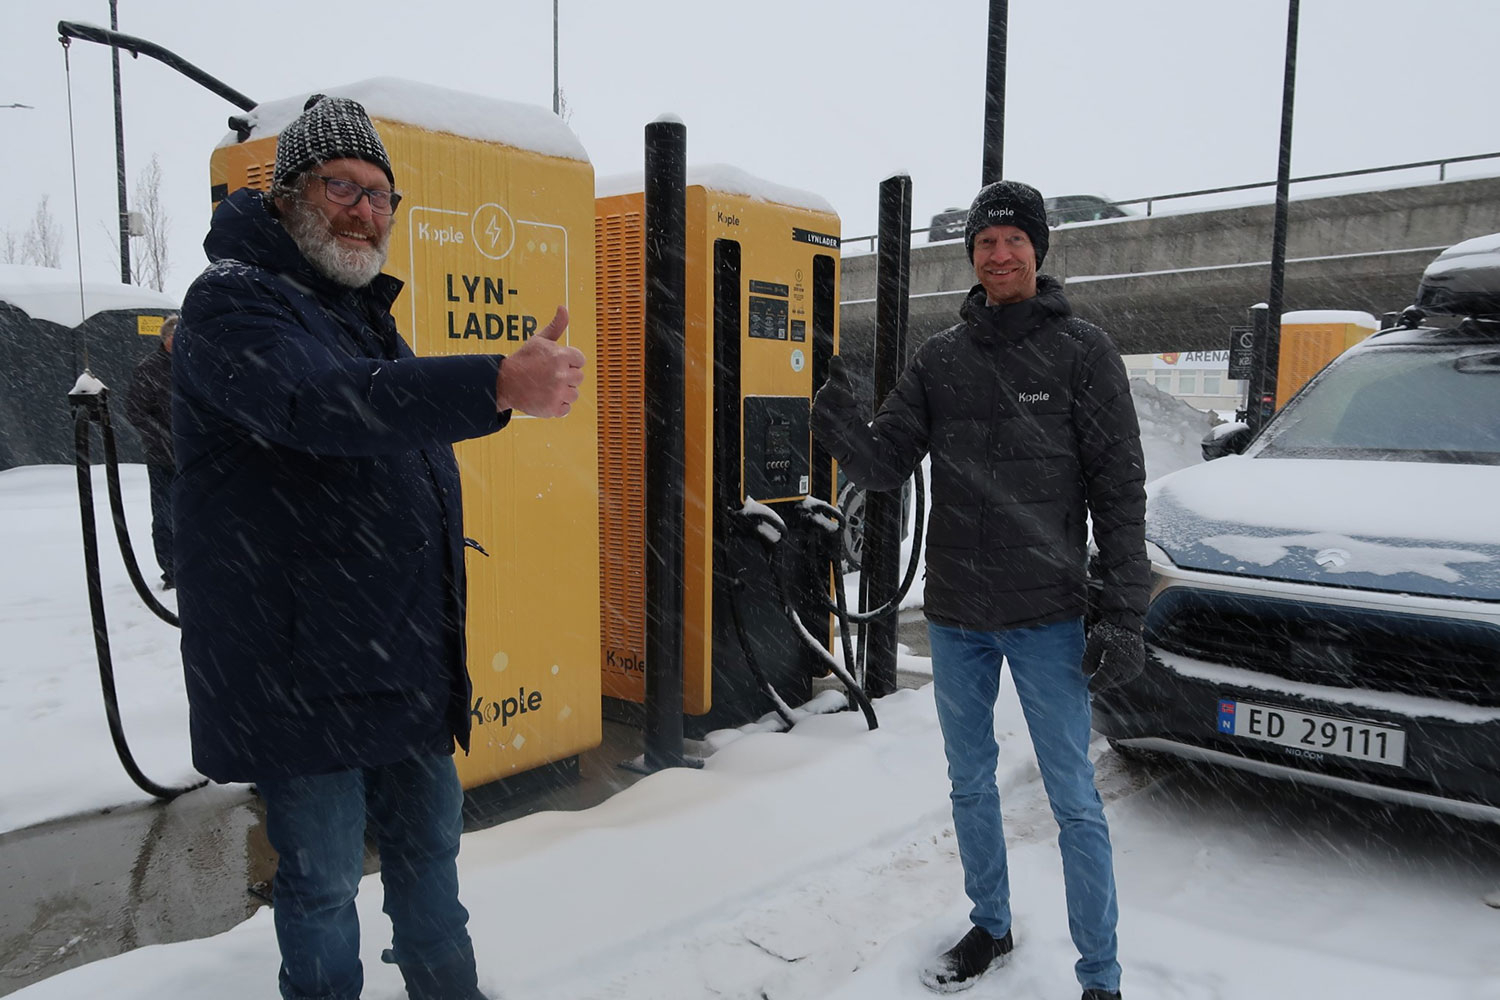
(320, 551)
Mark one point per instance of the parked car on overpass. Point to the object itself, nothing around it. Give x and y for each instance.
(949, 223)
(1326, 597)
(1080, 208)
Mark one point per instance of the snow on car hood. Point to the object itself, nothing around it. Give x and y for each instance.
(1409, 527)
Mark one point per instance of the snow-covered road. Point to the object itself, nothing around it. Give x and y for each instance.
(808, 865)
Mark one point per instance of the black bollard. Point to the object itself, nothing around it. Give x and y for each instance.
(880, 562)
(666, 338)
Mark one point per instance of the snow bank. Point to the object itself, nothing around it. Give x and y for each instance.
(1171, 430)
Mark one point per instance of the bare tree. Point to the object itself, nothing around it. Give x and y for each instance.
(149, 260)
(42, 242)
(564, 109)
(10, 247)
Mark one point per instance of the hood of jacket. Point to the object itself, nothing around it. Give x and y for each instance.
(246, 228)
(1015, 320)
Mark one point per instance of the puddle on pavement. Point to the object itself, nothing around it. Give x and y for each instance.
(91, 886)
(96, 885)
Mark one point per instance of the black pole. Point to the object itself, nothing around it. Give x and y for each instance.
(141, 47)
(1263, 401)
(880, 561)
(994, 94)
(1259, 324)
(114, 57)
(666, 337)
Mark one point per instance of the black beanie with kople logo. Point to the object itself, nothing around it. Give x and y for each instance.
(1009, 203)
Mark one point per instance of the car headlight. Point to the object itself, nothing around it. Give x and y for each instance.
(1161, 565)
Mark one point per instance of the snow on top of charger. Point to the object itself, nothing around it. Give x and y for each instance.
(436, 109)
(51, 294)
(1355, 317)
(722, 178)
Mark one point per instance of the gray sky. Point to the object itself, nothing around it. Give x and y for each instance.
(1124, 99)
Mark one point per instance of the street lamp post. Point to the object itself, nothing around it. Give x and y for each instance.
(1262, 396)
(114, 53)
(994, 94)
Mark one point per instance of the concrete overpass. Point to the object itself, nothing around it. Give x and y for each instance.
(1179, 282)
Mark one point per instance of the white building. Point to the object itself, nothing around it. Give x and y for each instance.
(1198, 378)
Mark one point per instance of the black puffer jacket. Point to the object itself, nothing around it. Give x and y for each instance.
(148, 405)
(1027, 413)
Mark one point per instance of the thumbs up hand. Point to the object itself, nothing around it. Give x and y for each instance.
(541, 377)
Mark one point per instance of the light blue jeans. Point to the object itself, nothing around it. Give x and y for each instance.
(1045, 664)
(317, 826)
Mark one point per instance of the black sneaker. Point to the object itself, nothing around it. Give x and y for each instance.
(1098, 994)
(960, 967)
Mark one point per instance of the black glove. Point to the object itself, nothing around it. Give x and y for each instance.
(1115, 654)
(834, 403)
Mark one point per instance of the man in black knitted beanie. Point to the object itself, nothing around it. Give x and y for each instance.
(1026, 413)
(1009, 203)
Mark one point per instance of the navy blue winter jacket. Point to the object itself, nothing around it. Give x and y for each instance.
(319, 543)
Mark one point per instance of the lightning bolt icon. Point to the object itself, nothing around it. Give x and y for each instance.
(492, 230)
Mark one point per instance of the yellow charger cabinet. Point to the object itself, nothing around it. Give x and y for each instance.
(1312, 338)
(761, 323)
(495, 231)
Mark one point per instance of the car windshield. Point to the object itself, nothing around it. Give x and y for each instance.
(1399, 404)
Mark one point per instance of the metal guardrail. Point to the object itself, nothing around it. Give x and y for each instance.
(1441, 164)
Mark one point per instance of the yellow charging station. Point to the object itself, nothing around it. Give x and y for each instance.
(761, 323)
(1312, 338)
(493, 233)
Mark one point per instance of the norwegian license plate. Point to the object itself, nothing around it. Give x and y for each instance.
(1311, 733)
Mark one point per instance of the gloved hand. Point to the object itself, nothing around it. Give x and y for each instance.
(1115, 654)
(834, 403)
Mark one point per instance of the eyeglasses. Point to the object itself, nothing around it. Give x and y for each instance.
(342, 192)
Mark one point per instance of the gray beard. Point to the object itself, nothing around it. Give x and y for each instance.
(355, 267)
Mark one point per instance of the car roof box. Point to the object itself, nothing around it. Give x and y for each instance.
(1464, 280)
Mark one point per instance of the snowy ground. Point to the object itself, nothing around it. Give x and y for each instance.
(818, 863)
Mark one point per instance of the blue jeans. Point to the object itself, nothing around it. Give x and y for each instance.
(1045, 664)
(317, 826)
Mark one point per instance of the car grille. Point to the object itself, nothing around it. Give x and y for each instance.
(1446, 658)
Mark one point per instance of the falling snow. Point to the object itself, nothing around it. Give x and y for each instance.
(816, 863)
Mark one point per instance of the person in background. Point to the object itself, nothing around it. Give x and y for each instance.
(148, 407)
(321, 552)
(1027, 414)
